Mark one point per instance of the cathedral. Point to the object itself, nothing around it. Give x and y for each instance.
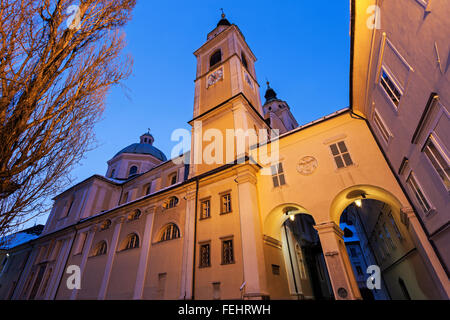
(325, 219)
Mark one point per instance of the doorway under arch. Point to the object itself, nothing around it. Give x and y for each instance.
(305, 264)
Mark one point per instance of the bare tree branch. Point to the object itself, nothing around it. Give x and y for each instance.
(53, 80)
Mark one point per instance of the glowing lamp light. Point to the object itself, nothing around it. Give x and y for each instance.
(358, 202)
(292, 217)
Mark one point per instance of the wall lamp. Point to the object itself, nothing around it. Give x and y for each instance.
(358, 202)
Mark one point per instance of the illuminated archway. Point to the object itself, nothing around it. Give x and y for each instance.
(278, 215)
(357, 192)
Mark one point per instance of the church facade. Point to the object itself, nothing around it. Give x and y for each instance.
(153, 228)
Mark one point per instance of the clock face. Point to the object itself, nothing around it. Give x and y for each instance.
(214, 77)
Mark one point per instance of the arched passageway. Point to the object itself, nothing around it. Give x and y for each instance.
(377, 239)
(367, 230)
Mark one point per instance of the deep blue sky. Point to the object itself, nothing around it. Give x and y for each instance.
(302, 47)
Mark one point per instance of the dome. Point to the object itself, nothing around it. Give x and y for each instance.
(270, 93)
(144, 147)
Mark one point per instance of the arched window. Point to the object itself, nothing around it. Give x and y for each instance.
(133, 171)
(100, 249)
(134, 215)
(131, 242)
(244, 60)
(215, 58)
(171, 203)
(113, 172)
(105, 225)
(148, 188)
(173, 178)
(170, 232)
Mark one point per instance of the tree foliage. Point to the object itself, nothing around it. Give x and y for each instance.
(58, 58)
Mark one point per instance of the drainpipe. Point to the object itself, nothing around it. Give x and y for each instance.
(195, 239)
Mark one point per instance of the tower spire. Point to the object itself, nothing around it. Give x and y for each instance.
(223, 21)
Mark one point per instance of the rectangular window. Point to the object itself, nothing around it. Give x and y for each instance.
(341, 155)
(227, 252)
(205, 209)
(225, 203)
(381, 126)
(276, 269)
(394, 225)
(205, 256)
(353, 252)
(161, 285)
(439, 159)
(278, 175)
(390, 88)
(418, 193)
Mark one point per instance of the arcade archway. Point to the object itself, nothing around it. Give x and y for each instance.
(376, 237)
(292, 227)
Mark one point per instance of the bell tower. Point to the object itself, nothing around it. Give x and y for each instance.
(226, 97)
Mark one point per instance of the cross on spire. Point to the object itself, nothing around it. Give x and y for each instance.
(223, 13)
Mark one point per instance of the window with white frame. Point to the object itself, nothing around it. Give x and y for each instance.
(438, 156)
(418, 193)
(205, 209)
(130, 242)
(170, 232)
(341, 155)
(170, 203)
(225, 205)
(381, 126)
(100, 249)
(278, 175)
(389, 86)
